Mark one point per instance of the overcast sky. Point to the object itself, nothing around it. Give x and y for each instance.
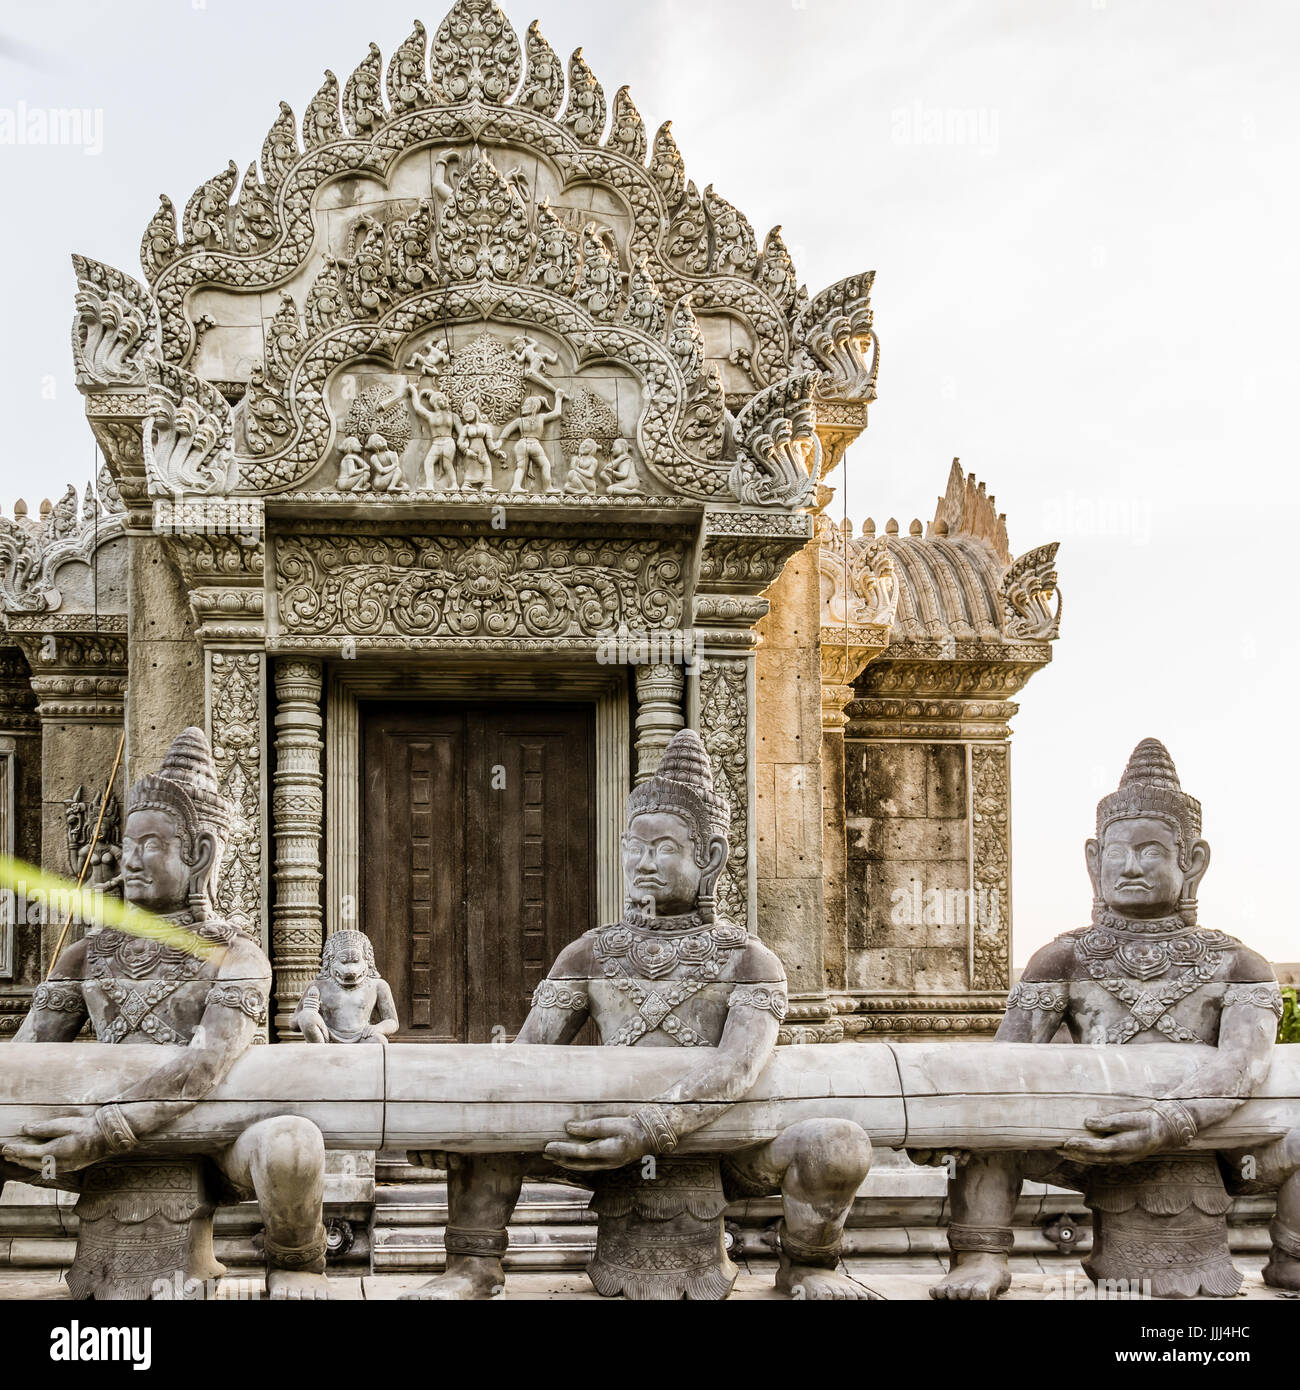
(1083, 217)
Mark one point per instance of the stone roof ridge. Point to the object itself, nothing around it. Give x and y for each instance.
(968, 509)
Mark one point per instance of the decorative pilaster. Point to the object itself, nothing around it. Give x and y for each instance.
(990, 777)
(236, 686)
(297, 927)
(726, 723)
(659, 714)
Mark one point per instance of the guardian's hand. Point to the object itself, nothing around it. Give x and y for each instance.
(614, 1142)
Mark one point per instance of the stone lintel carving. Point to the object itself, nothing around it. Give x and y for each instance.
(968, 670)
(297, 926)
(742, 554)
(18, 712)
(523, 588)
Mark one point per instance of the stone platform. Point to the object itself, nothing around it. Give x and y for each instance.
(894, 1279)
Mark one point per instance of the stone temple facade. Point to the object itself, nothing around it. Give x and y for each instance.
(456, 454)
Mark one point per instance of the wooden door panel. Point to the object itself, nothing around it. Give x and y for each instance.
(413, 868)
(478, 850)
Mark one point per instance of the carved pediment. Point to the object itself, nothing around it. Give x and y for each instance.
(471, 188)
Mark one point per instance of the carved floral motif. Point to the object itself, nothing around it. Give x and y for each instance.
(502, 587)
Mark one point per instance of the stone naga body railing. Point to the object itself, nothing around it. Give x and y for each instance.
(489, 1098)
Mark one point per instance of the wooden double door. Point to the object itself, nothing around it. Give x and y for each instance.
(478, 861)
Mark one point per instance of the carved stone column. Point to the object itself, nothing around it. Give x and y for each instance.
(297, 925)
(658, 716)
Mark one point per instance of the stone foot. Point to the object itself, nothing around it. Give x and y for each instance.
(473, 1281)
(977, 1277)
(1282, 1272)
(818, 1285)
(296, 1286)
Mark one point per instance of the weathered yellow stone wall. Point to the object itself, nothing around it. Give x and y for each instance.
(165, 679)
(788, 808)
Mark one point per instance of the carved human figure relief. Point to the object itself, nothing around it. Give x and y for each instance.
(621, 472)
(533, 471)
(430, 362)
(477, 447)
(443, 425)
(354, 467)
(585, 470)
(385, 465)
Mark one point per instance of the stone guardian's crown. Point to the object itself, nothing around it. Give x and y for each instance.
(1150, 787)
(683, 786)
(185, 786)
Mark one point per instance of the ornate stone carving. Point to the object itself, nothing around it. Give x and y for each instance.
(1027, 593)
(781, 460)
(32, 552)
(236, 684)
(340, 1005)
(425, 587)
(1142, 967)
(115, 329)
(484, 229)
(202, 987)
(298, 808)
(991, 865)
(186, 440)
(724, 726)
(584, 112)
(81, 817)
(483, 243)
(476, 54)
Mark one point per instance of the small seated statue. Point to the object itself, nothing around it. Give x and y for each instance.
(354, 467)
(584, 470)
(621, 471)
(340, 1004)
(144, 1220)
(1142, 972)
(386, 465)
(670, 974)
